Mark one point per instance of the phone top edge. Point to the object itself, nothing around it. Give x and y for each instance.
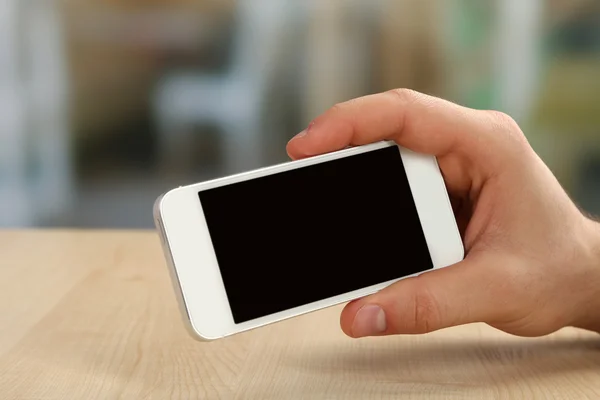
(281, 167)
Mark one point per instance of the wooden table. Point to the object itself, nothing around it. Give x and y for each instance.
(91, 315)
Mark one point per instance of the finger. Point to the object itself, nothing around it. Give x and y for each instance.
(443, 298)
(418, 122)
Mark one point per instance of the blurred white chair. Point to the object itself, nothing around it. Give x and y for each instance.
(518, 55)
(35, 168)
(48, 91)
(232, 101)
(16, 209)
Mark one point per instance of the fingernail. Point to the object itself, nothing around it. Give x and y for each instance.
(369, 321)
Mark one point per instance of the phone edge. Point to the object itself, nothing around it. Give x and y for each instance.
(173, 275)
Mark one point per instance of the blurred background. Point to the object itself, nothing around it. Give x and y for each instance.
(105, 104)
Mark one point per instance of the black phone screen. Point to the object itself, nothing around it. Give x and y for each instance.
(308, 234)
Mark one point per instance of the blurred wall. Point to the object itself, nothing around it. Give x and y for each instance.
(106, 104)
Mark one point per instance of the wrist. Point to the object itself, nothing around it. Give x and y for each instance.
(590, 303)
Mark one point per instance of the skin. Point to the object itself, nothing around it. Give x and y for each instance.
(532, 263)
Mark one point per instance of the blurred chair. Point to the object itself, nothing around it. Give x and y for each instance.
(340, 43)
(518, 56)
(234, 100)
(16, 209)
(48, 107)
(35, 174)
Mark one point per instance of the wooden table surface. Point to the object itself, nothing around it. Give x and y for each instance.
(91, 315)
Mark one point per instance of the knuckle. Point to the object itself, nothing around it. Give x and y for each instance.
(501, 118)
(343, 107)
(506, 126)
(426, 312)
(337, 108)
(344, 110)
(404, 95)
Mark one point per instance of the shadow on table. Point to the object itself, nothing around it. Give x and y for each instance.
(465, 362)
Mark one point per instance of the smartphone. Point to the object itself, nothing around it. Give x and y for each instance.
(271, 244)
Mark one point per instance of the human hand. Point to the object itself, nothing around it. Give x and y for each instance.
(532, 262)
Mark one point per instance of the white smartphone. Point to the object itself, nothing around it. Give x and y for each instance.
(263, 246)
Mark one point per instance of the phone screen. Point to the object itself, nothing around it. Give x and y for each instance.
(308, 234)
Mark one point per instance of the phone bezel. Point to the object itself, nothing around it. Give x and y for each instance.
(194, 268)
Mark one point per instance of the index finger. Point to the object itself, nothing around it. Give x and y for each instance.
(415, 121)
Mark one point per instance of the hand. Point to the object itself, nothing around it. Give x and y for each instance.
(532, 262)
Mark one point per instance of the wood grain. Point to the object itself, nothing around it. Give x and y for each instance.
(91, 315)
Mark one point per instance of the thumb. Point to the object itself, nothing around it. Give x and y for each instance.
(421, 123)
(450, 296)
